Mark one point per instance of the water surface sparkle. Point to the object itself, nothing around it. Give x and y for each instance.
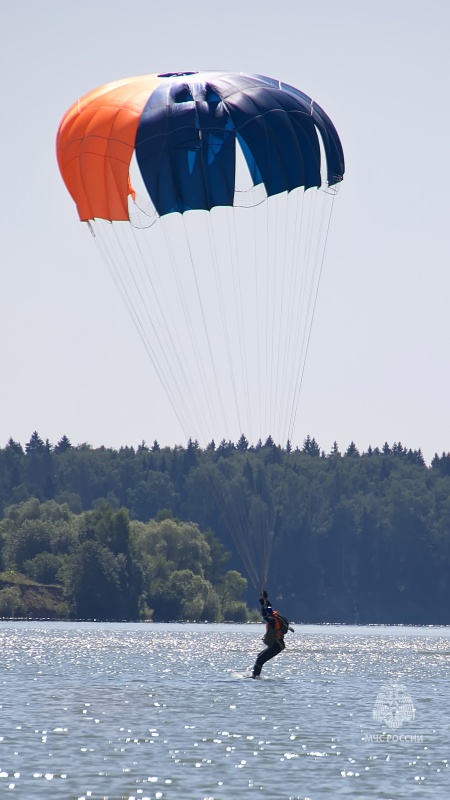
(142, 712)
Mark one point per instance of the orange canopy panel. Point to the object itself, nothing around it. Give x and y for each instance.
(95, 144)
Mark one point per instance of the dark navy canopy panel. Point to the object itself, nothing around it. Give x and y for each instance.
(187, 133)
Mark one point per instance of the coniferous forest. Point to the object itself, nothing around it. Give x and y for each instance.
(135, 533)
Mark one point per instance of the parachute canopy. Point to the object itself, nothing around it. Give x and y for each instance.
(183, 129)
(208, 196)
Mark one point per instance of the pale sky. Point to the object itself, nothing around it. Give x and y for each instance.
(71, 362)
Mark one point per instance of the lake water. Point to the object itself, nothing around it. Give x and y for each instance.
(142, 711)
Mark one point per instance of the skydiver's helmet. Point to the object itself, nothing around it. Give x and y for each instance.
(269, 611)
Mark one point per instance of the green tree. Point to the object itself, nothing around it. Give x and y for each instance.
(44, 567)
(93, 582)
(31, 528)
(151, 495)
(229, 590)
(242, 444)
(11, 603)
(63, 445)
(183, 596)
(311, 447)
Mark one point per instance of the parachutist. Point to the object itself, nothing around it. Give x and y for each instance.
(276, 627)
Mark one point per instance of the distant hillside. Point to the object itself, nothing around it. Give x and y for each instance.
(25, 597)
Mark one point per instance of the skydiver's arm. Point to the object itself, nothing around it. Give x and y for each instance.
(265, 603)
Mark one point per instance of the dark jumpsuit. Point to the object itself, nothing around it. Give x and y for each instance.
(268, 652)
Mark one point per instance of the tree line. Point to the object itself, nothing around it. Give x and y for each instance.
(114, 568)
(360, 536)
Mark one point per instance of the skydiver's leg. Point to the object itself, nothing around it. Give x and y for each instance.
(266, 655)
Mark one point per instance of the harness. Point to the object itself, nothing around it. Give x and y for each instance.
(278, 630)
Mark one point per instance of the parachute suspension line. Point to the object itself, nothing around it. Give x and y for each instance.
(292, 291)
(271, 320)
(153, 333)
(271, 296)
(302, 320)
(309, 260)
(258, 326)
(249, 521)
(291, 264)
(235, 261)
(301, 282)
(272, 312)
(266, 281)
(182, 297)
(258, 510)
(142, 311)
(117, 278)
(298, 322)
(220, 298)
(169, 349)
(270, 522)
(282, 294)
(231, 505)
(319, 262)
(223, 318)
(252, 515)
(238, 304)
(319, 256)
(212, 359)
(245, 548)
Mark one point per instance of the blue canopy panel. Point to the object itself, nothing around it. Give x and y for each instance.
(331, 142)
(186, 139)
